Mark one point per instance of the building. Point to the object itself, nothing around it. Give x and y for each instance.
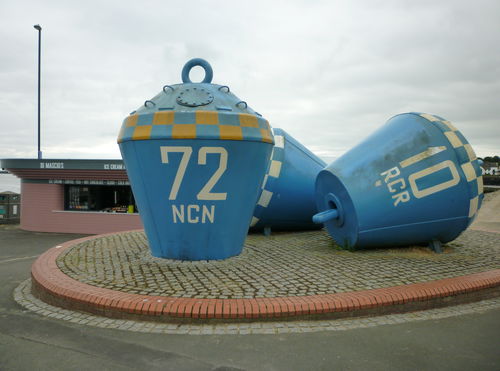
(74, 196)
(9, 207)
(490, 168)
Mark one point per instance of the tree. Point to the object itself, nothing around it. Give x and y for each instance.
(491, 159)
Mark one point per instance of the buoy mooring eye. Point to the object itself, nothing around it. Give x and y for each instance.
(209, 73)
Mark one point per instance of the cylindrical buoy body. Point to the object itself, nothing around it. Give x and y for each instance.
(195, 156)
(415, 180)
(286, 200)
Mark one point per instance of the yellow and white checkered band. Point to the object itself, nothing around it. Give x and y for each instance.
(466, 158)
(195, 125)
(272, 175)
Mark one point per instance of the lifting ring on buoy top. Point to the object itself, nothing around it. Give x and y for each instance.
(209, 74)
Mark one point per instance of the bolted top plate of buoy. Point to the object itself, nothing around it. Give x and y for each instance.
(192, 95)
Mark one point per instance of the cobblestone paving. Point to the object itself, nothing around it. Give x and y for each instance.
(23, 296)
(285, 264)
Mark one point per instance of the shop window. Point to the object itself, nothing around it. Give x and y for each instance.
(117, 199)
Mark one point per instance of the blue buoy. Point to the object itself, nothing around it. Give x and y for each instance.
(414, 181)
(287, 200)
(195, 155)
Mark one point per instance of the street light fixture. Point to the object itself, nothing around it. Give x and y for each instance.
(37, 27)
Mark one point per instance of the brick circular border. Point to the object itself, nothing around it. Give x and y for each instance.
(24, 297)
(51, 285)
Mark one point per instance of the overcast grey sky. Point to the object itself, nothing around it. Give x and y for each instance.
(328, 72)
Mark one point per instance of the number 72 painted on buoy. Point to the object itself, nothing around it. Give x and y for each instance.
(206, 192)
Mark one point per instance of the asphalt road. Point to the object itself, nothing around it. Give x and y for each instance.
(32, 342)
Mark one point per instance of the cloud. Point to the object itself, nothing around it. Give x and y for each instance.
(328, 72)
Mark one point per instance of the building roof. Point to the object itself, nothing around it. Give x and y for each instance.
(66, 169)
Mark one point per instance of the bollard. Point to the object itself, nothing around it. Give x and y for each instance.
(416, 180)
(195, 155)
(287, 200)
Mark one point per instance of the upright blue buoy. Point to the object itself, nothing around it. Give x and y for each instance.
(416, 180)
(195, 156)
(287, 200)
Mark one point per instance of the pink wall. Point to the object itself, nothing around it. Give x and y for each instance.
(42, 210)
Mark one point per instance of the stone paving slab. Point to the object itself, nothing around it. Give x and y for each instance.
(283, 265)
(287, 275)
(24, 297)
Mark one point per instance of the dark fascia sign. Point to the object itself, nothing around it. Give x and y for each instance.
(62, 164)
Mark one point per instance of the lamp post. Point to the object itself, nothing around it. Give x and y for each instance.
(37, 26)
